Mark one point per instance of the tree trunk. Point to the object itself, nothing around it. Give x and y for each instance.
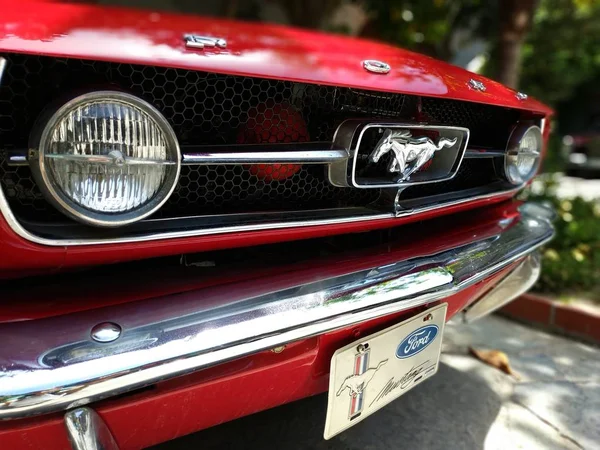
(515, 18)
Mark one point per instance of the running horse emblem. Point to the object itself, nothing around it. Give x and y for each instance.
(410, 154)
(357, 383)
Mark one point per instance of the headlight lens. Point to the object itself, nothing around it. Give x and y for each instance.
(108, 159)
(523, 154)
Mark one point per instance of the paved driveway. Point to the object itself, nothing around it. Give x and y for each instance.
(587, 188)
(467, 405)
(570, 187)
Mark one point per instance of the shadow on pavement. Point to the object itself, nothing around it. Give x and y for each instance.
(452, 410)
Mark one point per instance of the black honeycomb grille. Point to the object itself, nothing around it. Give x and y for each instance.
(205, 108)
(214, 109)
(473, 173)
(489, 125)
(221, 189)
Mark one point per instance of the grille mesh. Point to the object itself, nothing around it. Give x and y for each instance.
(488, 124)
(213, 109)
(222, 189)
(202, 107)
(473, 173)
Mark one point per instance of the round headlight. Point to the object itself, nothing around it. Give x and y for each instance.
(107, 159)
(523, 154)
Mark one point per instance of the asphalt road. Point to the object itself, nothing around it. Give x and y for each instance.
(468, 405)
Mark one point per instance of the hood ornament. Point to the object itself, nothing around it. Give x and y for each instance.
(374, 66)
(410, 154)
(477, 85)
(521, 96)
(200, 42)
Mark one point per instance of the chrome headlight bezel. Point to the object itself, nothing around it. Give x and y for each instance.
(513, 151)
(61, 201)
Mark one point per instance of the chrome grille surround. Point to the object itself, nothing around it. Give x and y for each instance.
(360, 205)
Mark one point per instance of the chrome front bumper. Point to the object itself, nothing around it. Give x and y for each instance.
(519, 281)
(52, 364)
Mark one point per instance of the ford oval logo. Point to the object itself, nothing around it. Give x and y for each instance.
(417, 341)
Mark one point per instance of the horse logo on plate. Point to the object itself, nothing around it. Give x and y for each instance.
(358, 381)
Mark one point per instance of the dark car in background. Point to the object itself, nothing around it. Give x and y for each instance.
(582, 150)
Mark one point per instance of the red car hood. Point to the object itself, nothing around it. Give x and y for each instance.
(262, 50)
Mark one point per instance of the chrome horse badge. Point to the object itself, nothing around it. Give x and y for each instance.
(410, 154)
(402, 158)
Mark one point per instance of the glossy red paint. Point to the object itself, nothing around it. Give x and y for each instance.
(265, 50)
(262, 50)
(226, 392)
(19, 256)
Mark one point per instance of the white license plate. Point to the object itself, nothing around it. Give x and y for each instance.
(371, 372)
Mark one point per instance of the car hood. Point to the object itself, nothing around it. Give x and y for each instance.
(260, 50)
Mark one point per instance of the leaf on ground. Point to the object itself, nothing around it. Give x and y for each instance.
(494, 358)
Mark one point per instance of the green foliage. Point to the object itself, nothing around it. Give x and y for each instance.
(425, 26)
(571, 262)
(554, 160)
(562, 50)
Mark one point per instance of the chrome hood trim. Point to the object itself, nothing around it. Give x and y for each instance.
(173, 335)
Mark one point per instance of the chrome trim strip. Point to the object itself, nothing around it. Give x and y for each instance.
(180, 333)
(456, 202)
(473, 154)
(543, 123)
(518, 282)
(22, 232)
(112, 160)
(16, 159)
(265, 154)
(87, 431)
(214, 157)
(293, 153)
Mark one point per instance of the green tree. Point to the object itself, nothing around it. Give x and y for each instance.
(562, 51)
(547, 48)
(426, 26)
(433, 26)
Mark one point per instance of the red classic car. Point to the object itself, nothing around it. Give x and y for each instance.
(201, 219)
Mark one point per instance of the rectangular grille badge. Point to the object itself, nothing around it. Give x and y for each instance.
(397, 154)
